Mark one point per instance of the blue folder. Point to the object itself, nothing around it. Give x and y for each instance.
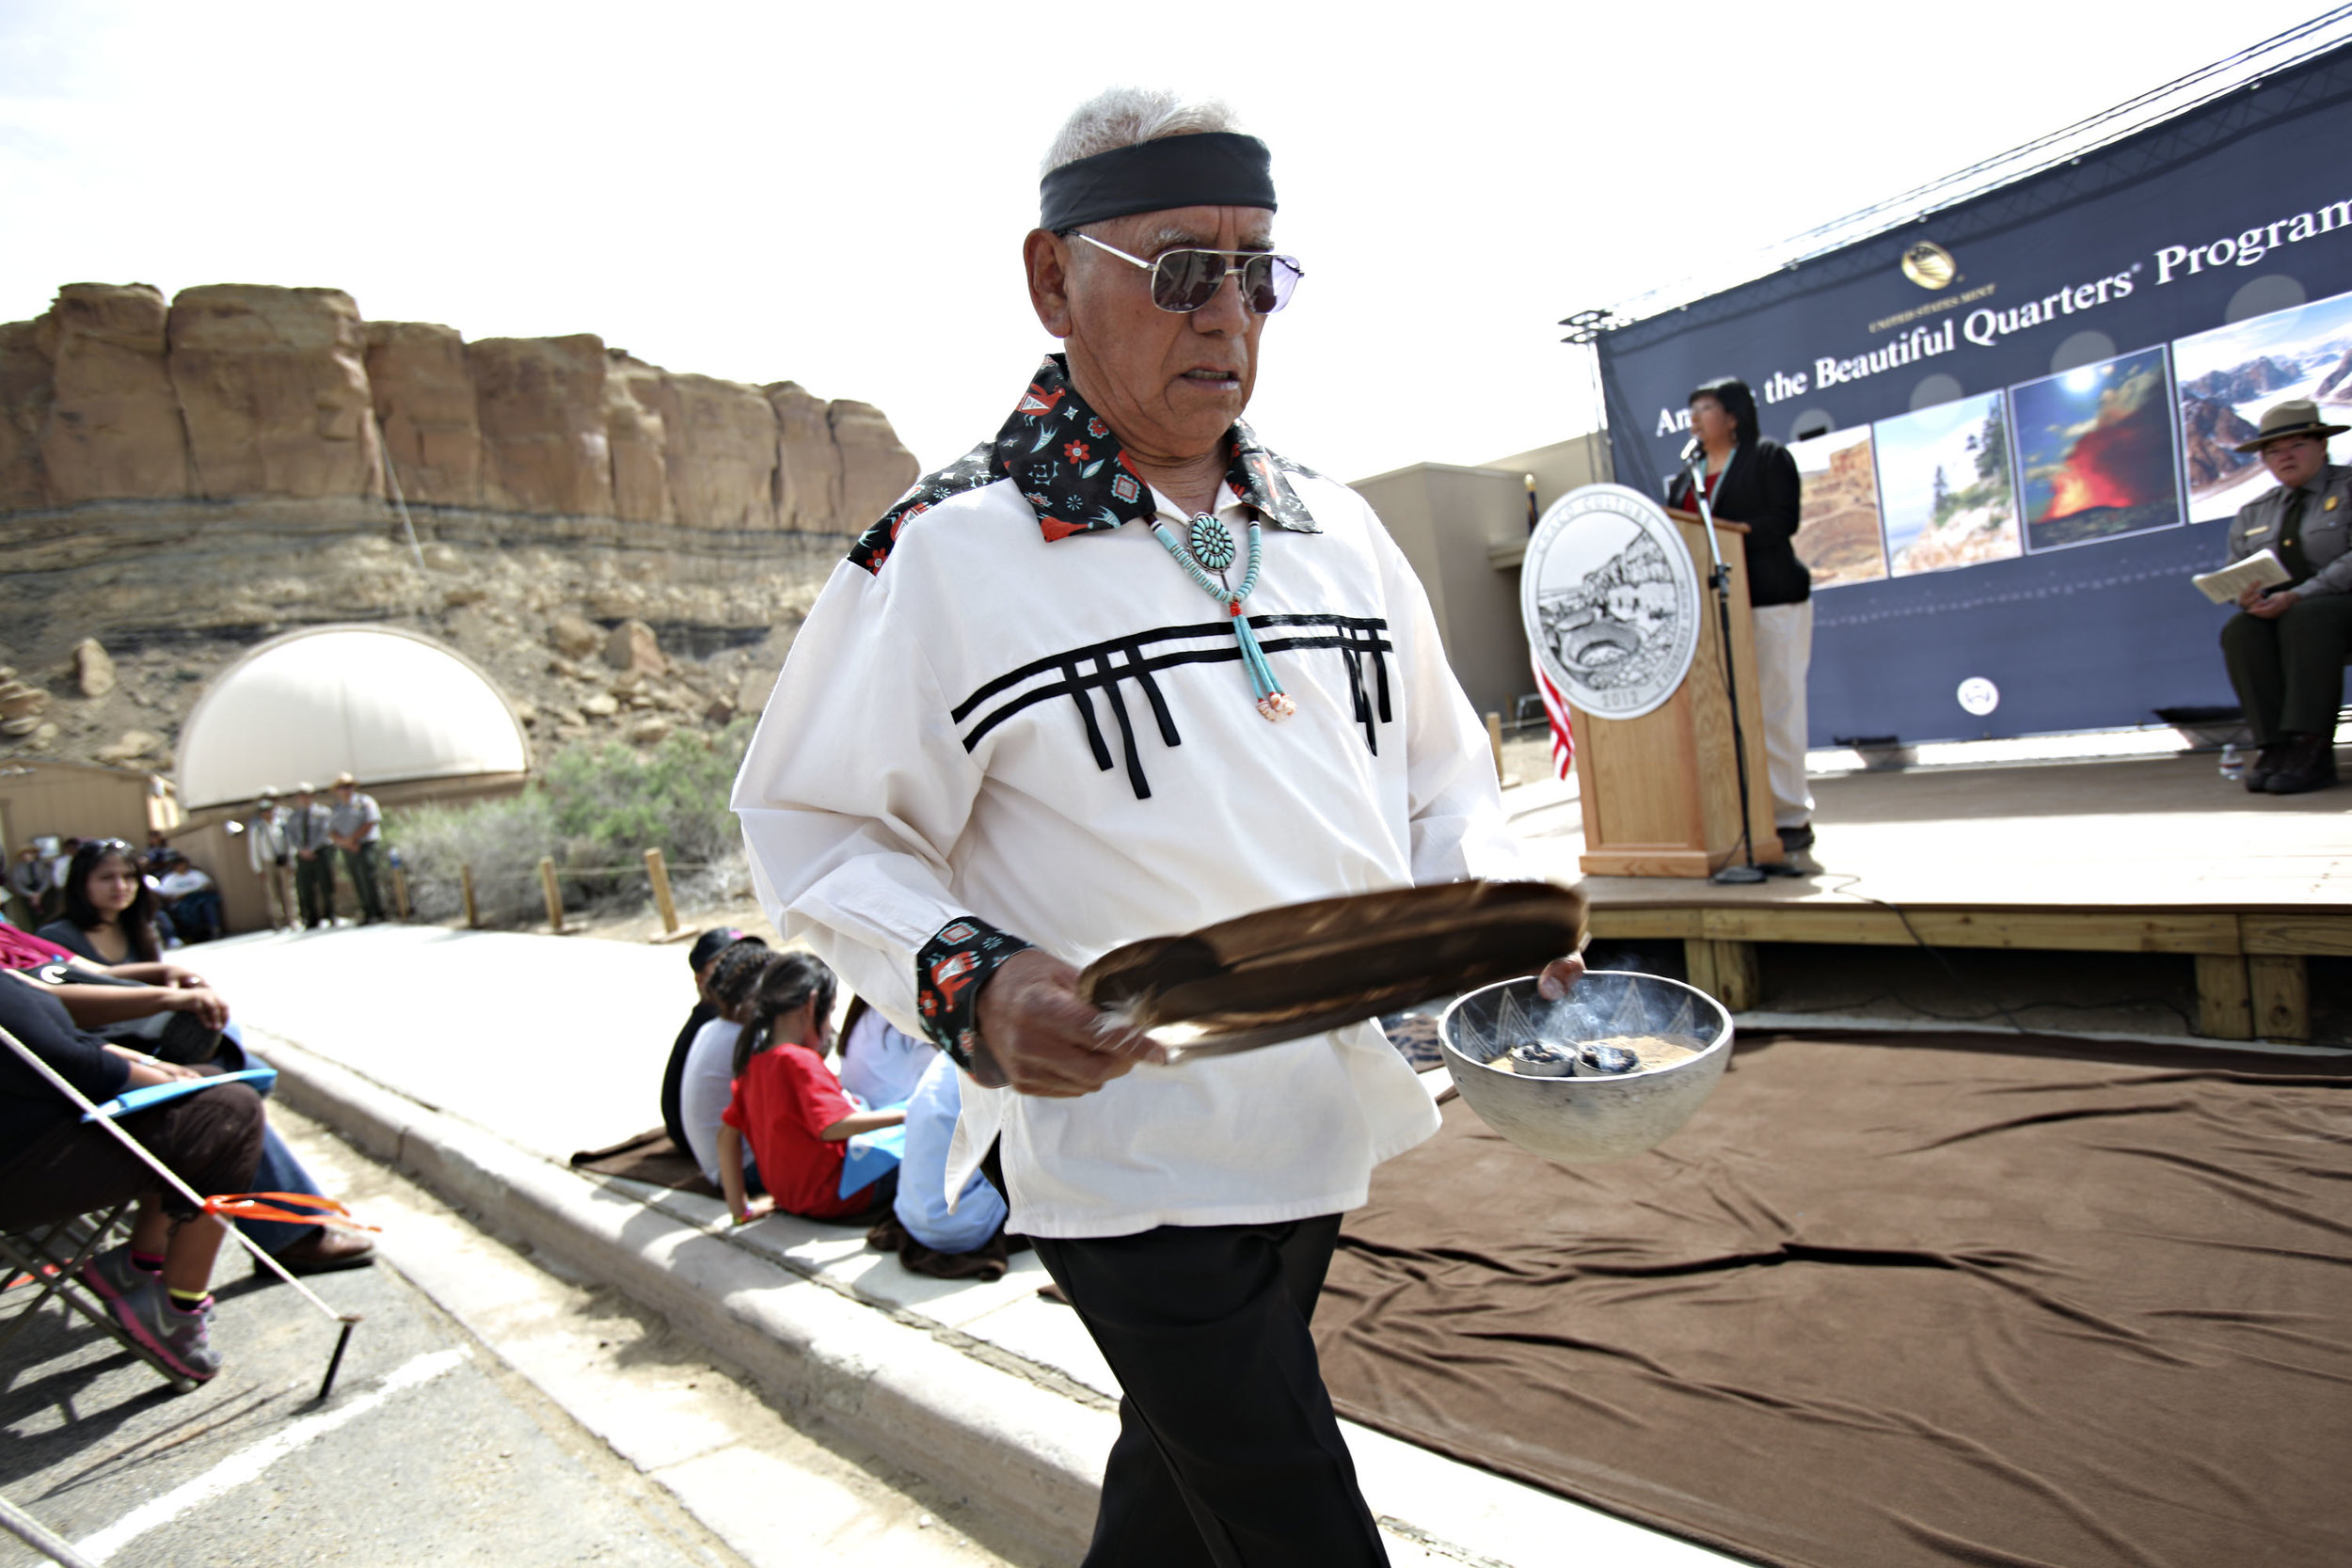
(873, 1156)
(157, 1094)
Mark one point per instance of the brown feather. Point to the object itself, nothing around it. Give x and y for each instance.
(1282, 974)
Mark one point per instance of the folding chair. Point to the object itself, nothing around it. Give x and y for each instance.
(44, 1263)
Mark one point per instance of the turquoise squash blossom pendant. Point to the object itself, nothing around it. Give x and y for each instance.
(1213, 550)
(1212, 542)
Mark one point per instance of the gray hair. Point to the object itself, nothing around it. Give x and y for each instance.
(1126, 117)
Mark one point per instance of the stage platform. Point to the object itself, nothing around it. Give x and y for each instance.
(2155, 855)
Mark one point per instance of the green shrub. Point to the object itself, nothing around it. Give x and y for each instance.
(502, 840)
(595, 810)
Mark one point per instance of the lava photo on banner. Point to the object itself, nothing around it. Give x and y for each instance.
(2094, 451)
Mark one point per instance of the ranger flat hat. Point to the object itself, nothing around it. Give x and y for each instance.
(343, 780)
(2298, 417)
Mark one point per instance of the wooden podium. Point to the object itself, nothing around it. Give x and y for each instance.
(1661, 792)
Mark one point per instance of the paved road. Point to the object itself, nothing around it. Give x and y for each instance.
(554, 1043)
(441, 1443)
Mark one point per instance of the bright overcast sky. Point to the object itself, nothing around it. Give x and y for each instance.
(836, 195)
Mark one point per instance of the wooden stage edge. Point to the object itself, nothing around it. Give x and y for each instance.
(2252, 978)
(2146, 855)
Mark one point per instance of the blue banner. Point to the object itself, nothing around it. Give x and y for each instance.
(2015, 417)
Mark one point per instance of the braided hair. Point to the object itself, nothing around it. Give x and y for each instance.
(735, 971)
(788, 982)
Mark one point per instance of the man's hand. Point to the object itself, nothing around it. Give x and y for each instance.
(1559, 977)
(2270, 607)
(1043, 1039)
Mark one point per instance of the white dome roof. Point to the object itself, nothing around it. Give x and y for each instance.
(383, 704)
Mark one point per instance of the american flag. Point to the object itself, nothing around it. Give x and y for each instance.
(1562, 730)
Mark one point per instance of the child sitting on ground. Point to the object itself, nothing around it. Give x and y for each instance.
(791, 1106)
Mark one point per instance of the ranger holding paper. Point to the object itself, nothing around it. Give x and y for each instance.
(2286, 647)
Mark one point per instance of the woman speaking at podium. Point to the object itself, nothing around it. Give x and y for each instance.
(1751, 479)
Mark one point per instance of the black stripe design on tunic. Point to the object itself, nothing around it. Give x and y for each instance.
(1078, 672)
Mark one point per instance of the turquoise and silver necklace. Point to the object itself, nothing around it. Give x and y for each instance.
(1211, 550)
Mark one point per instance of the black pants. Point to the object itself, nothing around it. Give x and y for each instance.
(315, 886)
(2289, 670)
(1228, 1451)
(361, 863)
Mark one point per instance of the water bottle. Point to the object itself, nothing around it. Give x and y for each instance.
(2233, 762)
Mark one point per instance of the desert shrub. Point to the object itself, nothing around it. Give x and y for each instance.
(595, 810)
(502, 840)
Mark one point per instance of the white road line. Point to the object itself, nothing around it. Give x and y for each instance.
(238, 1469)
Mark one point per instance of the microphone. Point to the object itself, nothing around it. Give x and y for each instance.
(1691, 449)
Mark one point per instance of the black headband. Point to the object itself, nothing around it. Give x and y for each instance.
(1204, 168)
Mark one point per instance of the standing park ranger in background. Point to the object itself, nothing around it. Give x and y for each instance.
(1121, 671)
(314, 856)
(2286, 646)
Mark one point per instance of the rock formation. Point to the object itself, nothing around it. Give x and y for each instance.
(2210, 432)
(2243, 383)
(2336, 386)
(424, 406)
(1838, 537)
(113, 428)
(273, 392)
(627, 550)
(241, 391)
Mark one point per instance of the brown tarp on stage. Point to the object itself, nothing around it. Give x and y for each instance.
(1895, 1300)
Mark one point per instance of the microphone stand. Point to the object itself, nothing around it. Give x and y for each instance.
(1718, 577)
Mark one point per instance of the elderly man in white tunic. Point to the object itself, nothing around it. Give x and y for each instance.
(1122, 671)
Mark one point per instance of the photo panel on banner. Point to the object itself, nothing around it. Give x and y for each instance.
(2094, 451)
(2229, 376)
(1944, 494)
(1838, 532)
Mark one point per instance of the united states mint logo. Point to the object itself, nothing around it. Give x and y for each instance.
(1929, 265)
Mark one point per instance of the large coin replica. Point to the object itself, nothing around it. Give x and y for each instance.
(1611, 601)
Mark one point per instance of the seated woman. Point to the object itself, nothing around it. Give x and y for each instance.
(109, 922)
(879, 1065)
(54, 1166)
(707, 1083)
(108, 914)
(790, 1107)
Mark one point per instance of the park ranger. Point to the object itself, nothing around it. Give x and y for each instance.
(2286, 646)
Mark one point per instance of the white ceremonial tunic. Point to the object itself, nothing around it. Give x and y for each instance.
(923, 759)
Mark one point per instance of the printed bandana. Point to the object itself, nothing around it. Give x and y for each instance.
(1075, 474)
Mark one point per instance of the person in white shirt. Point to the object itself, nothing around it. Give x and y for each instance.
(270, 857)
(879, 1065)
(1121, 671)
(708, 1081)
(191, 902)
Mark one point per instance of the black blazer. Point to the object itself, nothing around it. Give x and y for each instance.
(1762, 489)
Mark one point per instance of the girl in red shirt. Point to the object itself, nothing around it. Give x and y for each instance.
(791, 1106)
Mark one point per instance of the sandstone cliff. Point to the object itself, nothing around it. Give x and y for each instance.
(235, 391)
(180, 479)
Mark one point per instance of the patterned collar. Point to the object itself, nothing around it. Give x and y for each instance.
(1075, 474)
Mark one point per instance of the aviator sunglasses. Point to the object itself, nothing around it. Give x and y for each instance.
(1184, 281)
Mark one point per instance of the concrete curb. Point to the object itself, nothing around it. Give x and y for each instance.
(1028, 1455)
